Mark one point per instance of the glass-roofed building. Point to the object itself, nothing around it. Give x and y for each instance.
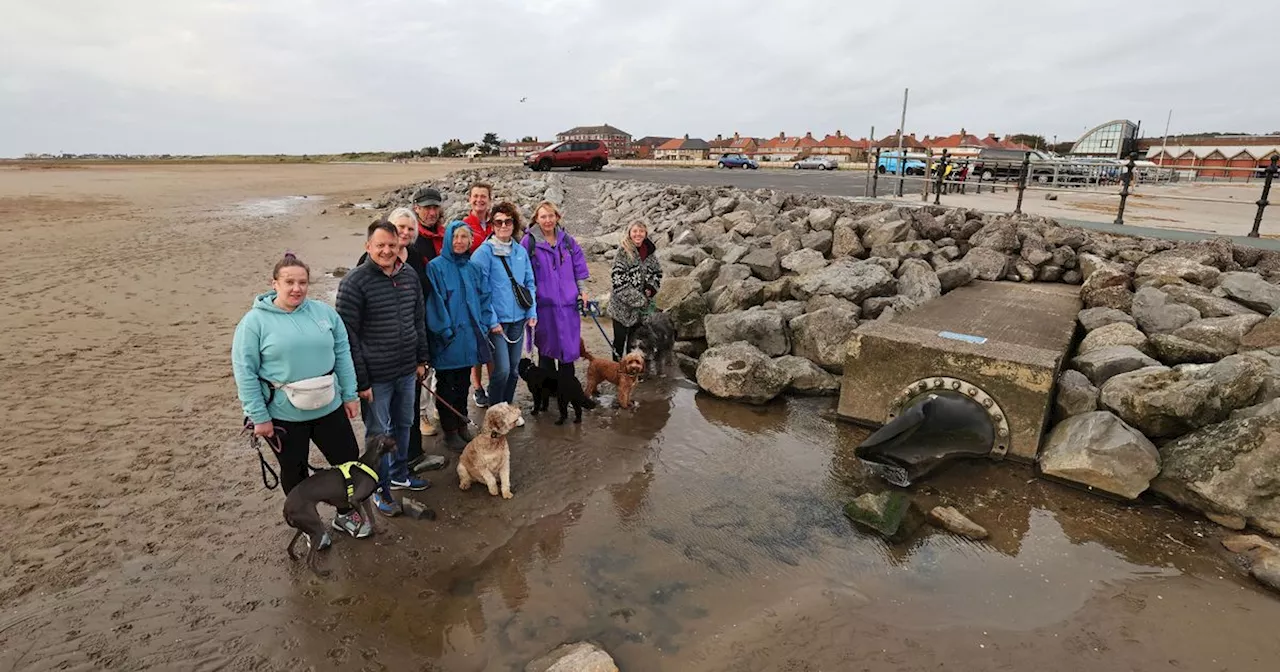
(1107, 140)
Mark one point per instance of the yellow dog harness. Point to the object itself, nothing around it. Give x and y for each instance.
(345, 468)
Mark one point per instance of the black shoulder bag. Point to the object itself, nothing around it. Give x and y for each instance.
(522, 293)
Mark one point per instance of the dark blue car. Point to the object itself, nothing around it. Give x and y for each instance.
(736, 161)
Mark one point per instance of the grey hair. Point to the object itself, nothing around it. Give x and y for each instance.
(403, 213)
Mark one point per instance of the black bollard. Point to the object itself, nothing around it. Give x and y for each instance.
(1270, 174)
(1124, 188)
(1022, 181)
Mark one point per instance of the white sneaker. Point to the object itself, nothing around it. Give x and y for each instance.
(520, 421)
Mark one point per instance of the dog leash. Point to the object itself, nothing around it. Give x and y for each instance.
(591, 308)
(450, 406)
(276, 445)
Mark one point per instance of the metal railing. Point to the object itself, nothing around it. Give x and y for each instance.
(950, 175)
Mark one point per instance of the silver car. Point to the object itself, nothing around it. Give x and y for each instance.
(816, 163)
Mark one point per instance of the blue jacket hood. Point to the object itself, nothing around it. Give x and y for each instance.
(457, 310)
(446, 250)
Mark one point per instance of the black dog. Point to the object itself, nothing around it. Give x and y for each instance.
(564, 386)
(329, 486)
(542, 384)
(655, 336)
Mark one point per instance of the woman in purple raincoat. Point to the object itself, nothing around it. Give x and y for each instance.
(560, 274)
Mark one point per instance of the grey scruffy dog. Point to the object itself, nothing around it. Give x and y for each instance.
(329, 486)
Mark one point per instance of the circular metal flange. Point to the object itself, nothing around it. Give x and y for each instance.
(933, 384)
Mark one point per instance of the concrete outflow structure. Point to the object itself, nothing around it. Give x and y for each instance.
(978, 365)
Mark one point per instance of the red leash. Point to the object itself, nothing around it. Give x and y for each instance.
(447, 405)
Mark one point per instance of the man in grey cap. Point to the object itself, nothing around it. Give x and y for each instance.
(426, 206)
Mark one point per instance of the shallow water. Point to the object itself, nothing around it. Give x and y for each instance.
(659, 532)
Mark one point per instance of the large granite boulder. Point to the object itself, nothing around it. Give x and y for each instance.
(1156, 313)
(1166, 402)
(738, 296)
(1099, 450)
(1205, 302)
(676, 290)
(1107, 287)
(803, 261)
(1118, 333)
(575, 657)
(822, 219)
(687, 255)
(1102, 364)
(728, 275)
(806, 378)
(917, 282)
(1265, 334)
(1250, 290)
(848, 279)
(1094, 318)
(740, 372)
(1165, 267)
(887, 232)
(688, 317)
(1228, 468)
(1173, 350)
(764, 329)
(1075, 395)
(846, 243)
(817, 240)
(1223, 334)
(764, 263)
(706, 273)
(955, 274)
(821, 336)
(987, 264)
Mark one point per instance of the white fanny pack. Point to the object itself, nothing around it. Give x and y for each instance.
(307, 394)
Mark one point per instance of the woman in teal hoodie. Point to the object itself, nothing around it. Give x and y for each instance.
(504, 265)
(458, 318)
(289, 349)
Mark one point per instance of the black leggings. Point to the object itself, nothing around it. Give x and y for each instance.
(562, 370)
(452, 386)
(622, 339)
(332, 434)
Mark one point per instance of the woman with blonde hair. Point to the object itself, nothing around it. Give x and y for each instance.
(560, 274)
(636, 278)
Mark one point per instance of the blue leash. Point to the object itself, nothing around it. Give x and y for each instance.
(592, 308)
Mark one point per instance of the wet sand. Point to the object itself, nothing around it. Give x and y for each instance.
(687, 534)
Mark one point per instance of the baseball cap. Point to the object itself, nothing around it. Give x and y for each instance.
(427, 196)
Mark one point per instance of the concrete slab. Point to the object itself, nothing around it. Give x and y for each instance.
(1005, 340)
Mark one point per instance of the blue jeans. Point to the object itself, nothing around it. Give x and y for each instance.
(392, 413)
(502, 382)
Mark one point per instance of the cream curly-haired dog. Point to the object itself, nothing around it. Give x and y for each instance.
(488, 457)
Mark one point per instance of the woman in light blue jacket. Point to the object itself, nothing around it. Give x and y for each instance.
(296, 381)
(504, 266)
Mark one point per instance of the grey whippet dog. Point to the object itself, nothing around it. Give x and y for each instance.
(349, 485)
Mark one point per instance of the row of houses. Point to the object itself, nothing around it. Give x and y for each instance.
(1218, 157)
(782, 147)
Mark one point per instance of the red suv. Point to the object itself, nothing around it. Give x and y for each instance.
(588, 154)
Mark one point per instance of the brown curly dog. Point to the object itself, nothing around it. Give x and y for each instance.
(488, 457)
(624, 374)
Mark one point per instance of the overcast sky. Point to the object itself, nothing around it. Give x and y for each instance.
(316, 76)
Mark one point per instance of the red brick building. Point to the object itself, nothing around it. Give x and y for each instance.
(617, 140)
(519, 149)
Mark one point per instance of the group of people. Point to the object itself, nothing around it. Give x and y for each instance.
(427, 300)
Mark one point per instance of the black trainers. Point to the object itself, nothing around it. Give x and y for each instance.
(481, 399)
